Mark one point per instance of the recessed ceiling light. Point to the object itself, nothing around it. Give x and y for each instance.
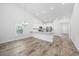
(51, 8)
(62, 3)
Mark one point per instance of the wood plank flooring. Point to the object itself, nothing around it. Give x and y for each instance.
(61, 46)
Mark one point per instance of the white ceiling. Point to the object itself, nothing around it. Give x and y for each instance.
(48, 12)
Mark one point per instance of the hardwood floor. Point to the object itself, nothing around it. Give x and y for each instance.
(61, 46)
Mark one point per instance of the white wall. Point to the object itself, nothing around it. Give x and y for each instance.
(57, 27)
(10, 15)
(75, 26)
(61, 26)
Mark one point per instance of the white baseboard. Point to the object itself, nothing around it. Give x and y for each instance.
(18, 38)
